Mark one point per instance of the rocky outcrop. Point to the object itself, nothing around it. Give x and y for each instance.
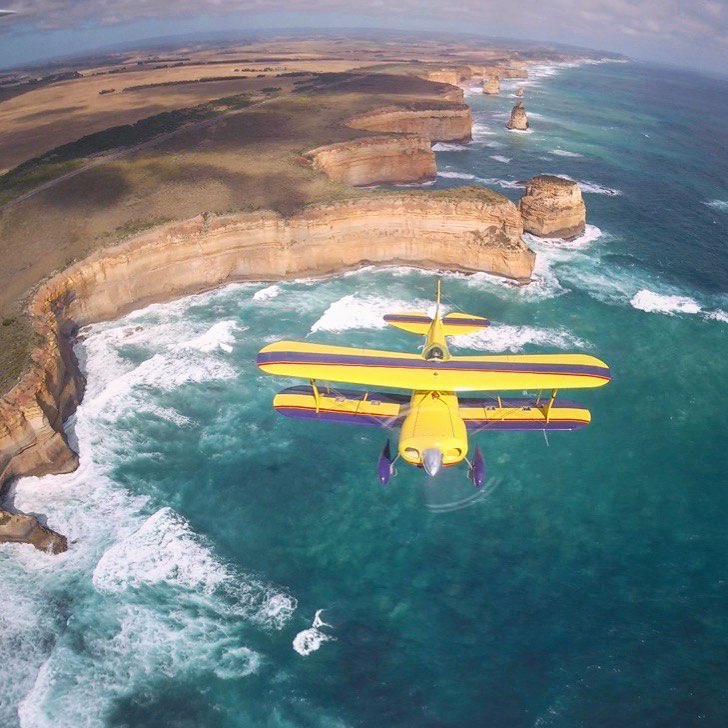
(406, 158)
(519, 91)
(506, 71)
(439, 123)
(553, 208)
(469, 229)
(20, 528)
(491, 85)
(518, 119)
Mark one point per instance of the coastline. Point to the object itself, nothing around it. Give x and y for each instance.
(473, 230)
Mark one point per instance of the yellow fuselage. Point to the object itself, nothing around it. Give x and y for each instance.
(433, 422)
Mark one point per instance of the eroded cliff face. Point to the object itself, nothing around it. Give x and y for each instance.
(553, 208)
(505, 71)
(405, 158)
(491, 85)
(451, 74)
(470, 229)
(446, 123)
(518, 119)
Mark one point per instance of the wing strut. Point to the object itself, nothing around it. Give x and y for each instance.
(316, 395)
(554, 392)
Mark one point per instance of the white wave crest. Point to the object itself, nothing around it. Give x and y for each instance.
(456, 175)
(309, 640)
(646, 300)
(591, 234)
(721, 205)
(219, 336)
(500, 158)
(363, 312)
(265, 294)
(448, 147)
(564, 153)
(503, 337)
(520, 131)
(595, 188)
(717, 315)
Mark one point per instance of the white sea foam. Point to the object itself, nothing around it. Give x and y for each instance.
(721, 205)
(646, 300)
(363, 312)
(591, 234)
(447, 147)
(219, 336)
(456, 175)
(265, 294)
(502, 337)
(147, 596)
(309, 640)
(717, 315)
(595, 188)
(564, 153)
(481, 130)
(496, 181)
(500, 158)
(520, 131)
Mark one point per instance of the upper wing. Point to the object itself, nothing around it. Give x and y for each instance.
(345, 406)
(410, 371)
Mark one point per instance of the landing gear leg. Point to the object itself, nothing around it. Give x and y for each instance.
(476, 473)
(385, 465)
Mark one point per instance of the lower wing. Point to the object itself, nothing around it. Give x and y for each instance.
(343, 406)
(511, 414)
(374, 368)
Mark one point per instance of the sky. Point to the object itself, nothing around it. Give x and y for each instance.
(676, 32)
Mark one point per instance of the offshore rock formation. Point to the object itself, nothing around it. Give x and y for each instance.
(19, 528)
(518, 119)
(519, 91)
(469, 229)
(491, 85)
(406, 158)
(553, 207)
(439, 123)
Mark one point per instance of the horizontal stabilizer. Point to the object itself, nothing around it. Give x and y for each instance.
(413, 322)
(453, 324)
(514, 414)
(342, 406)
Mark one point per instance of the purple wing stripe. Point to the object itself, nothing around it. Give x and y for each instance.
(325, 359)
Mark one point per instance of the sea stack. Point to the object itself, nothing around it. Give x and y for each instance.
(519, 91)
(491, 85)
(518, 119)
(553, 207)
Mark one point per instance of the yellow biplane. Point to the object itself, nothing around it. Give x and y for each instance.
(434, 421)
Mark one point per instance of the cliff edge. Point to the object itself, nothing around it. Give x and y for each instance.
(405, 158)
(469, 229)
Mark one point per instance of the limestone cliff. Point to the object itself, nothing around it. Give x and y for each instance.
(552, 207)
(438, 122)
(518, 119)
(470, 229)
(450, 74)
(405, 158)
(491, 85)
(504, 71)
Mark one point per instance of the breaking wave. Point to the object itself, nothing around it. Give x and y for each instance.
(139, 595)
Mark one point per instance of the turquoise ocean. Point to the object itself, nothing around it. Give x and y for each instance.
(585, 585)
